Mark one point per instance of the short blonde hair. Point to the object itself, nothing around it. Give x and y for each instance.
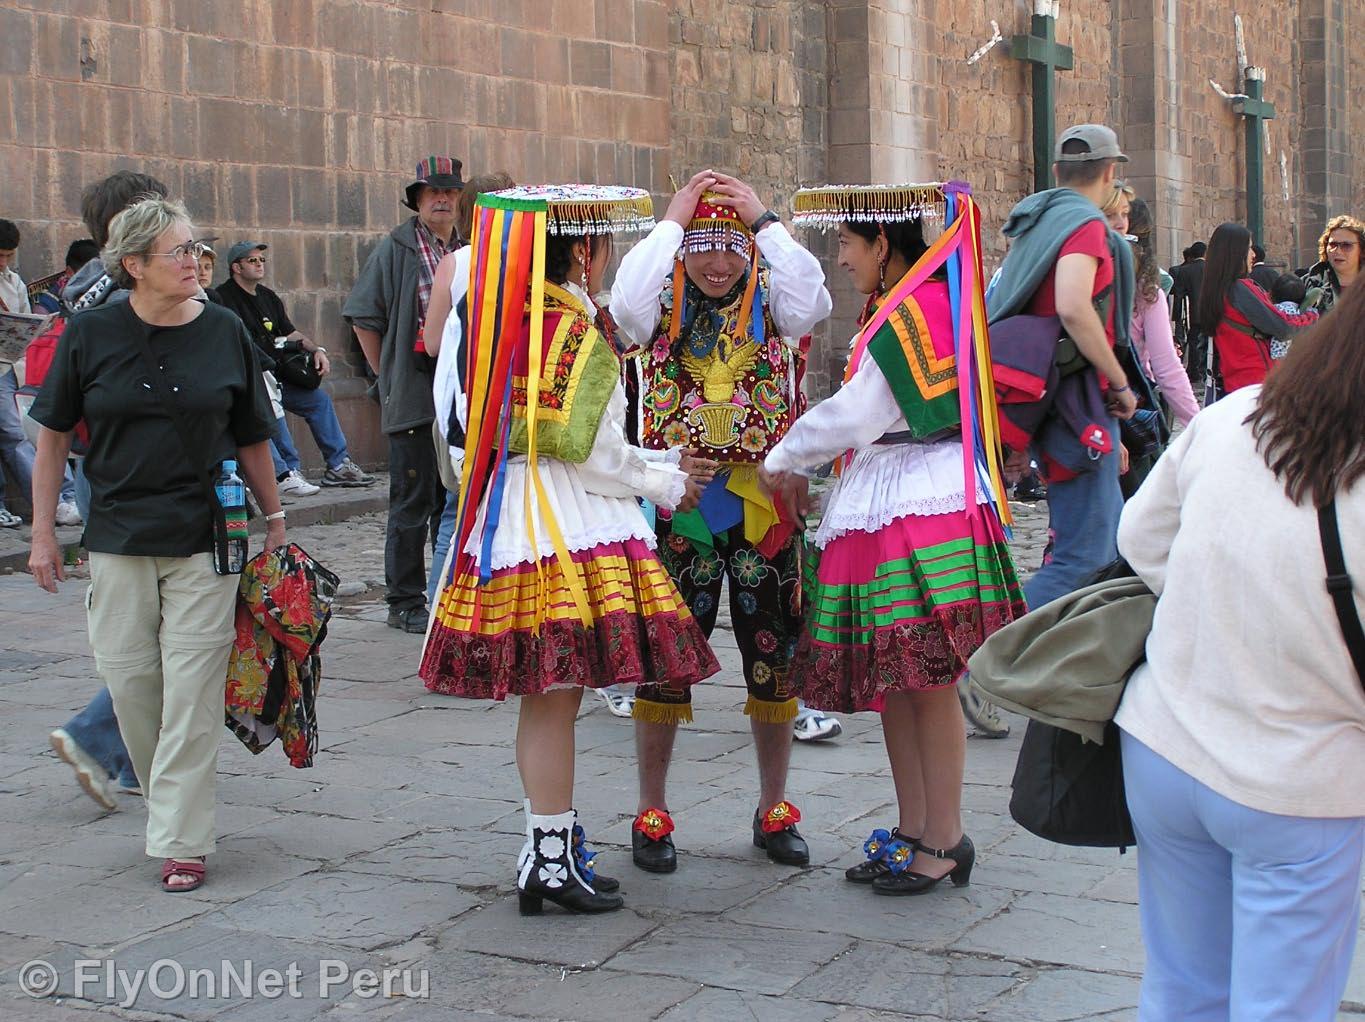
(1121, 190)
(134, 231)
(1345, 222)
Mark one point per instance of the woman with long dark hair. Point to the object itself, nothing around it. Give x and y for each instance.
(1237, 315)
(1153, 341)
(914, 572)
(1244, 730)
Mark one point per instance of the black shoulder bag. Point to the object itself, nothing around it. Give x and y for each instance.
(197, 458)
(1340, 587)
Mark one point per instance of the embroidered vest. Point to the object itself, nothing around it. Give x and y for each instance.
(579, 371)
(734, 402)
(914, 350)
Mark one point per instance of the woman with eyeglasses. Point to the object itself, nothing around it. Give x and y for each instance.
(1239, 317)
(160, 617)
(1339, 254)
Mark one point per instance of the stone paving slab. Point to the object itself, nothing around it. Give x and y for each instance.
(396, 851)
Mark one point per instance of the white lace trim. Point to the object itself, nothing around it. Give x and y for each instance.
(884, 484)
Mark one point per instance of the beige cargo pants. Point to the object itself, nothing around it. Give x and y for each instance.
(162, 629)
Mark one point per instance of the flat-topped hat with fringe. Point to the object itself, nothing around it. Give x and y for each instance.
(828, 206)
(716, 227)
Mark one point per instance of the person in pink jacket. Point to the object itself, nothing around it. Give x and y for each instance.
(1153, 340)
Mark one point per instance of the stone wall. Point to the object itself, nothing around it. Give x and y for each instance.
(296, 123)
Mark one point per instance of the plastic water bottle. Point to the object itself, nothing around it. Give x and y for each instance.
(232, 544)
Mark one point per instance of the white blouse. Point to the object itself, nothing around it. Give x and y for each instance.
(883, 482)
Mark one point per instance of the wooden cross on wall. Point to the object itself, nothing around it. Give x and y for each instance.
(1041, 49)
(1253, 106)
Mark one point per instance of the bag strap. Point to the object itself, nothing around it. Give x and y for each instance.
(1339, 586)
(197, 458)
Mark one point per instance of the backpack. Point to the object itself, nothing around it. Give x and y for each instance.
(37, 362)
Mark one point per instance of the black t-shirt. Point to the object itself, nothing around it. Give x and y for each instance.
(145, 498)
(256, 311)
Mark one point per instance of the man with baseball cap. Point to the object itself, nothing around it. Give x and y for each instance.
(387, 309)
(1064, 261)
(263, 312)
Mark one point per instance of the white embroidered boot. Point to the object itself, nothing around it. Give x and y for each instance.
(550, 872)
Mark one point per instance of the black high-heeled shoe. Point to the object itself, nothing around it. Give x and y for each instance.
(550, 872)
(903, 881)
(878, 849)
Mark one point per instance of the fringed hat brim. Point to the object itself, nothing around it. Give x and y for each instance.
(830, 205)
(573, 210)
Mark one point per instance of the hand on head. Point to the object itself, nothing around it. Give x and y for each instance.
(733, 192)
(684, 203)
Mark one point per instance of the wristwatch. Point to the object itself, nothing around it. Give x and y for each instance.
(766, 218)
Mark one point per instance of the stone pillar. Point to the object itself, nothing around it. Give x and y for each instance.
(1325, 158)
(1149, 86)
(882, 126)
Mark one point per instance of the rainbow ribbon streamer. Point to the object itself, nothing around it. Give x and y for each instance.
(958, 249)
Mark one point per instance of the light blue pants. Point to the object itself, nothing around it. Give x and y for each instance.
(1083, 514)
(444, 534)
(1246, 916)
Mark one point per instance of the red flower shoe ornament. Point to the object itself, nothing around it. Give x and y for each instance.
(654, 824)
(780, 817)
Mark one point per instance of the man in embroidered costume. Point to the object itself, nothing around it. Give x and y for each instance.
(717, 375)
(914, 571)
(387, 309)
(553, 584)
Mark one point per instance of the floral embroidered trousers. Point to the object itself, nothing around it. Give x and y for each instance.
(765, 608)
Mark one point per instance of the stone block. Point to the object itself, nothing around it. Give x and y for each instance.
(17, 29)
(590, 64)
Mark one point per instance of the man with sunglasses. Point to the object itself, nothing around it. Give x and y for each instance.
(263, 312)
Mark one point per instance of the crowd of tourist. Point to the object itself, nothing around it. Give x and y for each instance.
(579, 468)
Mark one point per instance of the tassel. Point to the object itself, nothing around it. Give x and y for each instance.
(662, 713)
(767, 712)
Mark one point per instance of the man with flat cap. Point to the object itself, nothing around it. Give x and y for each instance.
(387, 309)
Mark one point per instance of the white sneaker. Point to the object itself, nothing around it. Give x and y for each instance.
(813, 726)
(68, 514)
(982, 716)
(297, 485)
(619, 701)
(93, 778)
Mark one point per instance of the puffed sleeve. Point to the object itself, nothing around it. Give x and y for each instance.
(856, 416)
(616, 468)
(798, 298)
(640, 281)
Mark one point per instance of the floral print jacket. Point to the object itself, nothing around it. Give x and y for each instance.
(283, 605)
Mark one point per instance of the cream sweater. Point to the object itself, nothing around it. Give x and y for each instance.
(1248, 686)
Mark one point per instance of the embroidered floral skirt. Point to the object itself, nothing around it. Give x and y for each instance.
(902, 608)
(481, 644)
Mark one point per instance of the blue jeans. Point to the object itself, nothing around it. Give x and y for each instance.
(315, 406)
(444, 534)
(95, 729)
(282, 450)
(16, 453)
(1084, 516)
(1246, 915)
(81, 490)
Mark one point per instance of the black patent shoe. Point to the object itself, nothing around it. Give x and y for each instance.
(550, 872)
(585, 859)
(878, 848)
(775, 832)
(902, 881)
(651, 842)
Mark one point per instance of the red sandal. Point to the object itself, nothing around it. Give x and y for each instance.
(172, 867)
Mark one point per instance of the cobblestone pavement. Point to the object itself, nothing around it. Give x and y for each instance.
(396, 852)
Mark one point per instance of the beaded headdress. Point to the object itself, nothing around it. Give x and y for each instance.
(717, 227)
(830, 205)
